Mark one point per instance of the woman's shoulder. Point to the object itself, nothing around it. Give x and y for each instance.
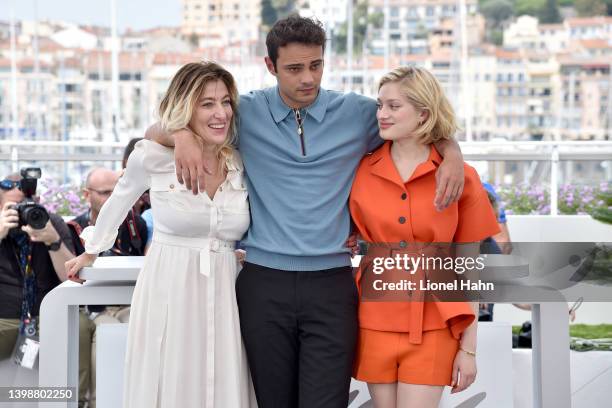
(234, 161)
(472, 188)
(471, 176)
(370, 159)
(155, 158)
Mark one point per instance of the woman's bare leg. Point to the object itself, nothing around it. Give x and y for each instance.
(383, 395)
(418, 396)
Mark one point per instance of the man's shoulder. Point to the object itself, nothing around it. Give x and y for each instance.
(257, 95)
(349, 99)
(350, 96)
(82, 220)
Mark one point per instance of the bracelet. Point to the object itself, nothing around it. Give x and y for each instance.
(468, 352)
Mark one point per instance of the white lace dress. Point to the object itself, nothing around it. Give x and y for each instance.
(184, 345)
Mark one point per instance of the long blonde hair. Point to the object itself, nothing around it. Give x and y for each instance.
(179, 103)
(424, 92)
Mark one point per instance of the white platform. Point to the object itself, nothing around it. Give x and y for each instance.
(12, 375)
(591, 379)
(493, 387)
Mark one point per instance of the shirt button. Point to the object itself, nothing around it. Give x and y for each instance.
(402, 220)
(403, 244)
(171, 185)
(404, 196)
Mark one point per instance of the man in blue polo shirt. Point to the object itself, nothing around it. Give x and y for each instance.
(301, 146)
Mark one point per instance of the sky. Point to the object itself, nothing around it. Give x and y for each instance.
(136, 14)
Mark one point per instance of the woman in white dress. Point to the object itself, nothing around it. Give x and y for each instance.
(184, 346)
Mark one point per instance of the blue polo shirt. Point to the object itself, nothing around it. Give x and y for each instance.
(299, 214)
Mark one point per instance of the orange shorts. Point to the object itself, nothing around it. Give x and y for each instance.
(388, 357)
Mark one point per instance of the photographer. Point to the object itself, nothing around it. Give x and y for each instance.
(34, 246)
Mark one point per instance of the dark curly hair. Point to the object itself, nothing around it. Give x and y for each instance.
(294, 29)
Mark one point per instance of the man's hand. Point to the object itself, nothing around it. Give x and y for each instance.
(449, 182)
(9, 218)
(74, 266)
(240, 256)
(191, 169)
(352, 244)
(47, 235)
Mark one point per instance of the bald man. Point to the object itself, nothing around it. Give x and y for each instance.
(132, 236)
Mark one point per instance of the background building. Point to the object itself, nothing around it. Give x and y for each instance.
(231, 21)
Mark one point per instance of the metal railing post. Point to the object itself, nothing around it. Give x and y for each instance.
(554, 180)
(14, 159)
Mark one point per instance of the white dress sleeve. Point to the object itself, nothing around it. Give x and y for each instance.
(134, 181)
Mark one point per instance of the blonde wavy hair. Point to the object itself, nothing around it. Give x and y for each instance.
(424, 92)
(180, 100)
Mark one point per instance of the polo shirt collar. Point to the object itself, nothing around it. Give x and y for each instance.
(381, 164)
(280, 110)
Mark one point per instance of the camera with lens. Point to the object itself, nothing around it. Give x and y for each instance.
(30, 212)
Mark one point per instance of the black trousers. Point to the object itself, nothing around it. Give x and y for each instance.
(300, 331)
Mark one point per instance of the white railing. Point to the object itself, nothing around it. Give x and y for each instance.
(554, 152)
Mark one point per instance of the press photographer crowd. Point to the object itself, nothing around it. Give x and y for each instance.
(34, 246)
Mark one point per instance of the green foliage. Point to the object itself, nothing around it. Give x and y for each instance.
(268, 13)
(603, 215)
(586, 8)
(194, 40)
(547, 11)
(596, 267)
(273, 10)
(497, 37)
(529, 7)
(496, 11)
(376, 20)
(603, 212)
(550, 13)
(284, 7)
(361, 20)
(584, 331)
(591, 331)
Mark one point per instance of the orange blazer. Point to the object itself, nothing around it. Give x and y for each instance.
(384, 209)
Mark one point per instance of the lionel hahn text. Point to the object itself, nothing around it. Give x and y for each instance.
(457, 284)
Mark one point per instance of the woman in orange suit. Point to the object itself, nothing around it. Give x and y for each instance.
(407, 352)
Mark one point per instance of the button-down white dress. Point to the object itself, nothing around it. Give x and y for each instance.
(184, 345)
